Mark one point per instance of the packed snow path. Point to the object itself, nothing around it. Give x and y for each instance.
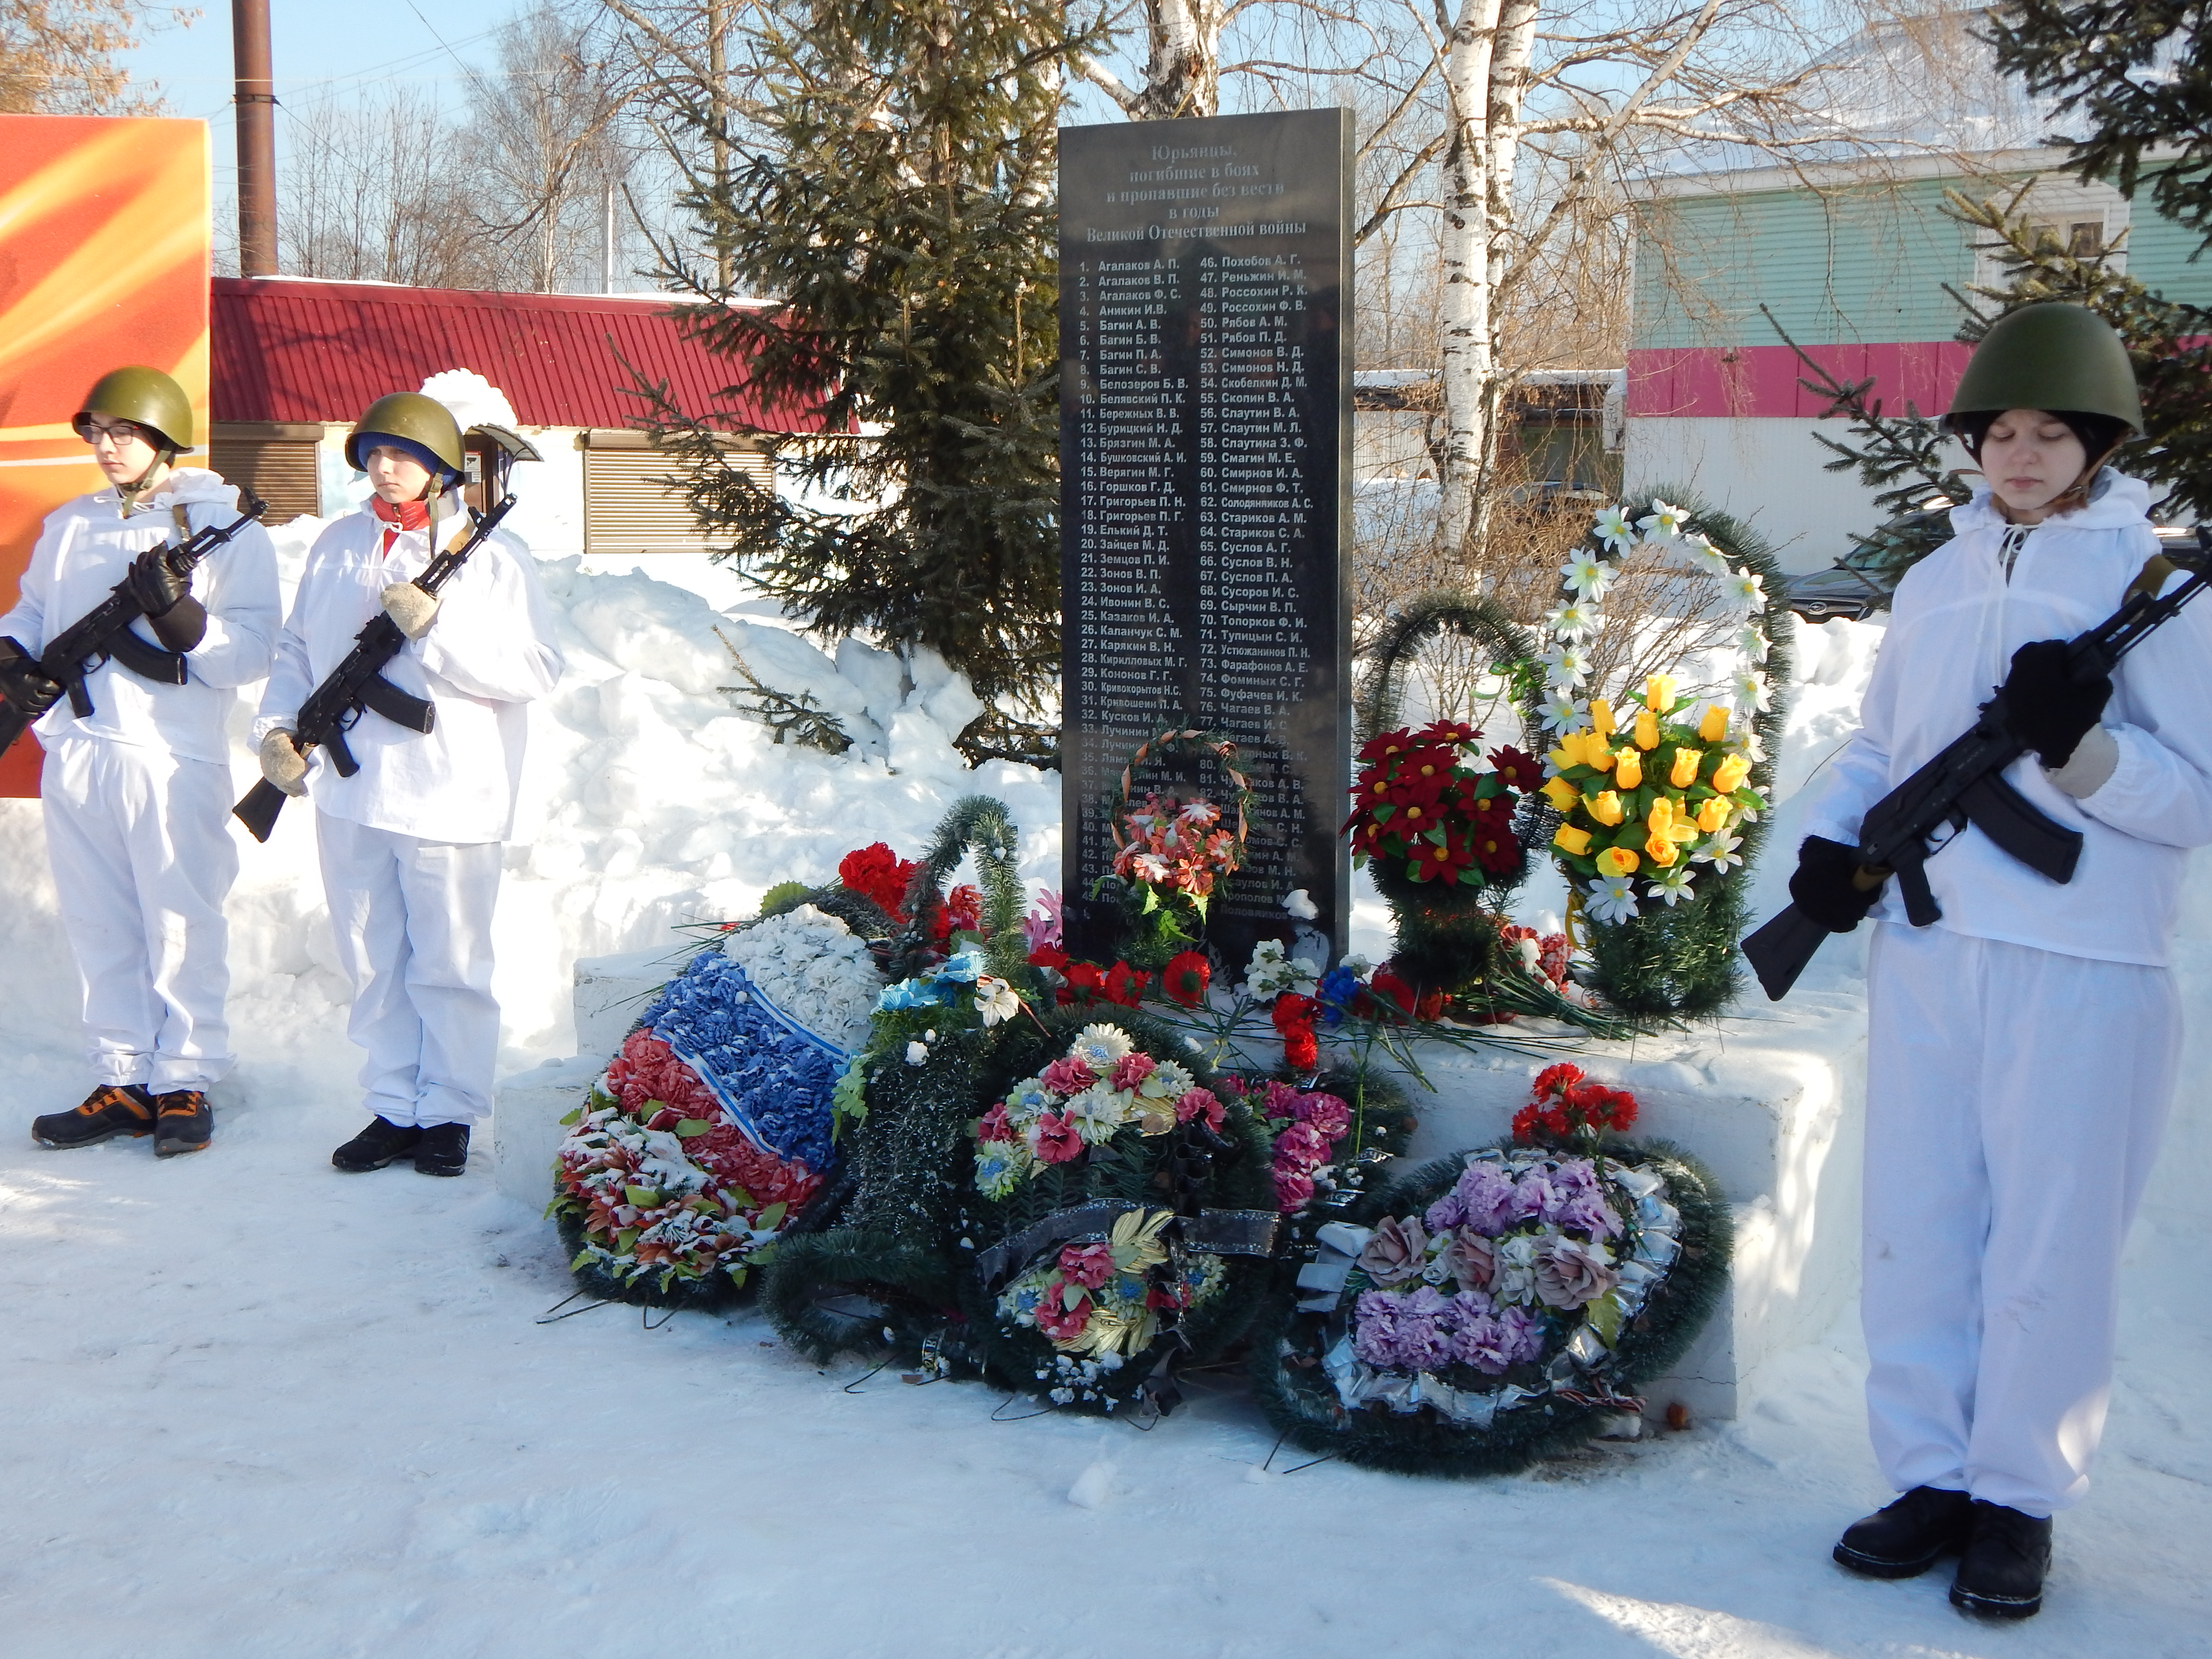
(256, 1407)
(261, 1408)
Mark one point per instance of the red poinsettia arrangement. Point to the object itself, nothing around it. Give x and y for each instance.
(1423, 809)
(1567, 1110)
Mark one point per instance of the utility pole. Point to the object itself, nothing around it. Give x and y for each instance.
(257, 138)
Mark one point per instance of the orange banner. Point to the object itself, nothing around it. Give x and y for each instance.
(104, 260)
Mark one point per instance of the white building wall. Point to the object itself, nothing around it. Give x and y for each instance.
(1769, 472)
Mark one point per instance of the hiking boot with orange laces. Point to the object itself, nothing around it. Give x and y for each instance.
(185, 1123)
(111, 1109)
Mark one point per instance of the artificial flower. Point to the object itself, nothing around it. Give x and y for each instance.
(1659, 694)
(1397, 1251)
(1713, 813)
(1752, 643)
(1751, 693)
(1561, 712)
(1200, 1103)
(1614, 528)
(1659, 849)
(1744, 591)
(1684, 772)
(1728, 775)
(995, 999)
(1055, 1138)
(1646, 736)
(1572, 1273)
(1184, 979)
(1601, 713)
(1572, 841)
(1664, 523)
(1612, 899)
(1517, 771)
(1672, 886)
(1605, 807)
(1566, 666)
(1575, 620)
(1586, 574)
(1617, 861)
(1560, 793)
(1628, 768)
(1513, 1269)
(1720, 851)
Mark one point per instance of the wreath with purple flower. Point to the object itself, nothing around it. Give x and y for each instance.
(1488, 1308)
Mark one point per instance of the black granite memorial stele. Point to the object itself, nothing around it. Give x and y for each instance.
(1205, 445)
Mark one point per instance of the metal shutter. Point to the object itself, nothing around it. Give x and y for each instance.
(626, 511)
(281, 470)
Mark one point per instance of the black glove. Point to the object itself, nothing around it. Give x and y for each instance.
(2047, 711)
(180, 620)
(22, 682)
(1826, 887)
(154, 585)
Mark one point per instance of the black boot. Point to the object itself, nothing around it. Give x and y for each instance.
(443, 1150)
(1904, 1538)
(2008, 1554)
(185, 1125)
(383, 1142)
(110, 1111)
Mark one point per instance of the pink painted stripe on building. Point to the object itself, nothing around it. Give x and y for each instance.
(1739, 381)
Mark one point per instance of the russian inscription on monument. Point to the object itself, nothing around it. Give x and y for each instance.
(1205, 445)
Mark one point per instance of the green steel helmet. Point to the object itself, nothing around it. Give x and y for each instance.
(145, 396)
(2053, 356)
(420, 423)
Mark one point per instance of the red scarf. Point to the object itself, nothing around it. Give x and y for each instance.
(407, 515)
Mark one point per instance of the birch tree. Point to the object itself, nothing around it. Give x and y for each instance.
(1543, 108)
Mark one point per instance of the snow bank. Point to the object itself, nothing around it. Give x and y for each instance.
(648, 800)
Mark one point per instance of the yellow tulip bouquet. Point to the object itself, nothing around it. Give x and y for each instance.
(1658, 794)
(1643, 806)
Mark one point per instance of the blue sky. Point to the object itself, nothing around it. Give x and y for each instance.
(319, 44)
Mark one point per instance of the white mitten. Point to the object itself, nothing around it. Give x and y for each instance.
(283, 764)
(412, 609)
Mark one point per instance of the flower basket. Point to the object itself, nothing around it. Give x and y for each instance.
(1172, 855)
(1660, 797)
(1118, 1216)
(1485, 1309)
(709, 1133)
(878, 1271)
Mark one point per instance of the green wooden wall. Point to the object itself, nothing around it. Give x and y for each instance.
(1861, 264)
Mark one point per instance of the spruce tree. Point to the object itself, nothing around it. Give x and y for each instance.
(2134, 76)
(892, 189)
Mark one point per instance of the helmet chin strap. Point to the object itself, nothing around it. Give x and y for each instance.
(2076, 495)
(156, 474)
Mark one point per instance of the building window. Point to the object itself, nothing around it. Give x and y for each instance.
(629, 509)
(274, 459)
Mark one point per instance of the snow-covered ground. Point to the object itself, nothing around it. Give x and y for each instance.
(257, 1408)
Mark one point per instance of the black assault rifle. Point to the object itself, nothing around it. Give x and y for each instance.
(335, 707)
(105, 632)
(1964, 784)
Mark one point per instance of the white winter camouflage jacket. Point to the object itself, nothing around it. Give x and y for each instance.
(1955, 623)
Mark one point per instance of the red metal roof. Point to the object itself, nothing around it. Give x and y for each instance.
(292, 350)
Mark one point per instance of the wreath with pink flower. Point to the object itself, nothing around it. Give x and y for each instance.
(1485, 1309)
(1119, 1215)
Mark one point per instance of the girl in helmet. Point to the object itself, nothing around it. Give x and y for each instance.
(2020, 1050)
(136, 785)
(410, 844)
